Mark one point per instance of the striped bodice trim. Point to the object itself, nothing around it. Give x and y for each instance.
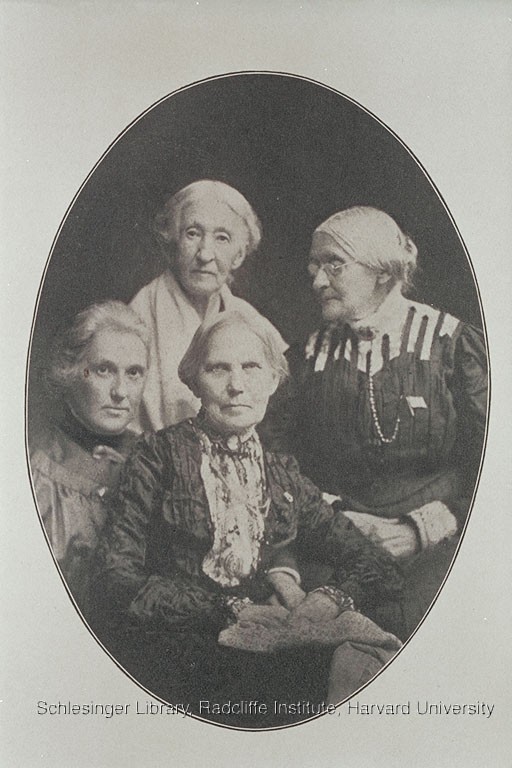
(421, 326)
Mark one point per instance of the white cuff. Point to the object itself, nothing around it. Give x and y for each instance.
(434, 522)
(330, 498)
(284, 569)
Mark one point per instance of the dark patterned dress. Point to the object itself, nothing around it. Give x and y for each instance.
(162, 613)
(429, 388)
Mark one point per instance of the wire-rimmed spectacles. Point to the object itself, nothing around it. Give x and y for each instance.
(331, 268)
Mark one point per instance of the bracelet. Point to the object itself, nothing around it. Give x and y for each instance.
(342, 600)
(236, 604)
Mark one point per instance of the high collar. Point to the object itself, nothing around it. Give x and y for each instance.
(388, 318)
(83, 436)
(235, 444)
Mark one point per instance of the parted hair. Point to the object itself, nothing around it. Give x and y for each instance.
(167, 222)
(70, 345)
(193, 358)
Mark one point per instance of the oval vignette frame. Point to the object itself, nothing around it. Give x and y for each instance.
(294, 172)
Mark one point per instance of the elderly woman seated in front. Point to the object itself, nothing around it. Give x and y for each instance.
(96, 377)
(206, 527)
(207, 230)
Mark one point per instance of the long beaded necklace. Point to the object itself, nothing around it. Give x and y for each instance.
(373, 408)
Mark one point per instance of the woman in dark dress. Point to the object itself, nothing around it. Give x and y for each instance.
(386, 406)
(205, 529)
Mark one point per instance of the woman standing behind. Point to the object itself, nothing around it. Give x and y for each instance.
(96, 377)
(387, 403)
(208, 229)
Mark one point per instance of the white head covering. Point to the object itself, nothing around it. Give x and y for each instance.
(373, 238)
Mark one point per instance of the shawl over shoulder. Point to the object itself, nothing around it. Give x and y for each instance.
(172, 321)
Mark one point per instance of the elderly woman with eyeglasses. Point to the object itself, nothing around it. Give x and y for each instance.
(207, 230)
(95, 377)
(199, 575)
(387, 405)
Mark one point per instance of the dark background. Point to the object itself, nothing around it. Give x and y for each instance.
(297, 150)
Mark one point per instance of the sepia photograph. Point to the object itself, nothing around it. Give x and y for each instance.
(256, 382)
(260, 279)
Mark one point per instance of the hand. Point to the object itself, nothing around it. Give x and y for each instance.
(316, 607)
(396, 537)
(288, 592)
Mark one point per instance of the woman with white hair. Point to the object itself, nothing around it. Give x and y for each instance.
(205, 530)
(388, 400)
(208, 229)
(95, 379)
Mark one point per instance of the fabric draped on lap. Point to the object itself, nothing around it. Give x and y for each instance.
(352, 665)
(276, 631)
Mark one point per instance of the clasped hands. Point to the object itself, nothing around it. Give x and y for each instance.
(290, 607)
(397, 537)
(268, 628)
(313, 619)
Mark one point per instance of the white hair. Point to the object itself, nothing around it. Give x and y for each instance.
(71, 345)
(168, 222)
(195, 355)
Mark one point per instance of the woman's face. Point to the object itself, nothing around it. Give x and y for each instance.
(106, 395)
(235, 380)
(347, 290)
(211, 244)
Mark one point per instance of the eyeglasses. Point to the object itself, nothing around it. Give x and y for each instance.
(331, 268)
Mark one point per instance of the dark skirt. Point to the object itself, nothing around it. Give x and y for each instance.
(228, 687)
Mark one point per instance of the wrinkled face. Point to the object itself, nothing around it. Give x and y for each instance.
(211, 244)
(235, 380)
(106, 395)
(347, 290)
